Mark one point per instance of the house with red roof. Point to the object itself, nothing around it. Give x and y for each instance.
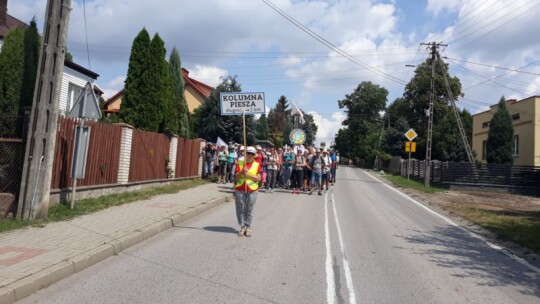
(194, 91)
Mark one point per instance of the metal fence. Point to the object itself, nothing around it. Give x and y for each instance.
(12, 149)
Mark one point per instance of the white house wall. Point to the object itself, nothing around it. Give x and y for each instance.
(70, 76)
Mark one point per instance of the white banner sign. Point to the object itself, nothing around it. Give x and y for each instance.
(235, 103)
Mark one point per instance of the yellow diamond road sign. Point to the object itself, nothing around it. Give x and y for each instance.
(410, 134)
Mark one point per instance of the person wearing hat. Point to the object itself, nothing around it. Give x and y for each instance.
(248, 174)
(317, 166)
(272, 170)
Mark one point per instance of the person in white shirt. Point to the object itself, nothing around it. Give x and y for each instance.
(326, 174)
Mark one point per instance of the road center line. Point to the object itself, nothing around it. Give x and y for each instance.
(348, 275)
(330, 283)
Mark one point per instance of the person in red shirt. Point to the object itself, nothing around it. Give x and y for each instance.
(248, 173)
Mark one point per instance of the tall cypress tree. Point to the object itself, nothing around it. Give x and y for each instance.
(137, 81)
(500, 136)
(31, 58)
(180, 103)
(11, 72)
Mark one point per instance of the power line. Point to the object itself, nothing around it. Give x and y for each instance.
(492, 78)
(477, 38)
(492, 66)
(332, 46)
(86, 35)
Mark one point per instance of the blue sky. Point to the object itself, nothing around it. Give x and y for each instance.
(269, 54)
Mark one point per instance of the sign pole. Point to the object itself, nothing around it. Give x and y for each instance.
(409, 165)
(245, 147)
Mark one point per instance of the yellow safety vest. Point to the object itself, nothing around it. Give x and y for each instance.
(253, 171)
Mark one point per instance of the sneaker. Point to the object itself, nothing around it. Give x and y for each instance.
(310, 192)
(320, 193)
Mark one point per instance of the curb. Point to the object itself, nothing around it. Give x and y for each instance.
(26, 286)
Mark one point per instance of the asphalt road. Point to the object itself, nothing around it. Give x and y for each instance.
(361, 242)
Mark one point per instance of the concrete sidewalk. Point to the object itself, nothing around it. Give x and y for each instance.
(34, 258)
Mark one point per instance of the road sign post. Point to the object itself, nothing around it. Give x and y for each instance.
(86, 107)
(410, 146)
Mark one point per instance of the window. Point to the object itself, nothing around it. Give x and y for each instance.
(73, 93)
(515, 116)
(485, 124)
(515, 148)
(484, 145)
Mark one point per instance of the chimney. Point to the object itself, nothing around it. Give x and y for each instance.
(3, 13)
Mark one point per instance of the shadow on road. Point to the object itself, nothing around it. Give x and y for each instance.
(451, 247)
(222, 229)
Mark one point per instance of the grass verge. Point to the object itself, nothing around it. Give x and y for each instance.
(402, 181)
(520, 227)
(86, 206)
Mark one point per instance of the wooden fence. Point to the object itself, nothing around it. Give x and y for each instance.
(103, 154)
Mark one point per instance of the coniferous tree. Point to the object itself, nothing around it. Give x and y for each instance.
(159, 110)
(31, 58)
(500, 140)
(11, 72)
(137, 81)
(180, 104)
(277, 121)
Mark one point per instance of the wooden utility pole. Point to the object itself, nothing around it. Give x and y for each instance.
(35, 190)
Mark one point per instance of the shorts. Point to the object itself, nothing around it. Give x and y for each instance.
(307, 174)
(327, 176)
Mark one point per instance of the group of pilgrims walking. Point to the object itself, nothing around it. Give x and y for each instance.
(298, 170)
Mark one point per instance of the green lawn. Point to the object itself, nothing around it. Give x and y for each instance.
(90, 205)
(402, 181)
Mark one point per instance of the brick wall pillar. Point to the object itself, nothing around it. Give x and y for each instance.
(173, 151)
(125, 154)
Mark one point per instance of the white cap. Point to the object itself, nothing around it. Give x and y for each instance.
(250, 149)
(258, 147)
(242, 148)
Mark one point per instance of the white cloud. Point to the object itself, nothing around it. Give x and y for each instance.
(113, 86)
(208, 74)
(327, 127)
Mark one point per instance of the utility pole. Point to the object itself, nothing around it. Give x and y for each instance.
(433, 48)
(435, 56)
(35, 190)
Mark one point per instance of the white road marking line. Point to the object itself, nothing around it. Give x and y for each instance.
(449, 221)
(348, 275)
(330, 283)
